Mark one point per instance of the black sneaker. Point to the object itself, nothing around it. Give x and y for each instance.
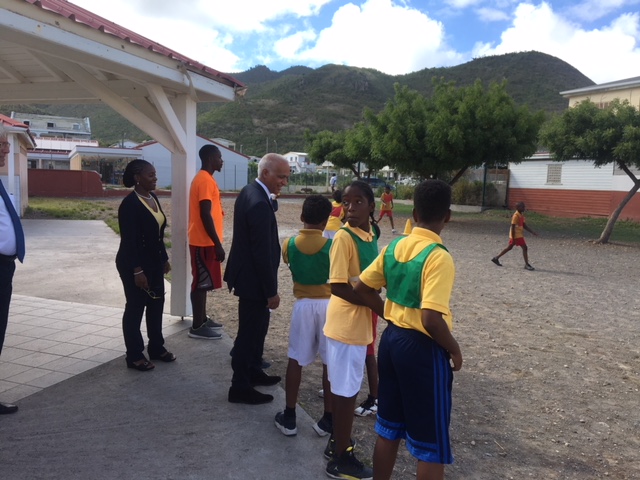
(529, 267)
(348, 466)
(496, 261)
(324, 427)
(212, 324)
(287, 425)
(330, 449)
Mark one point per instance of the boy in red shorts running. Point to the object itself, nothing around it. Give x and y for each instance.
(516, 236)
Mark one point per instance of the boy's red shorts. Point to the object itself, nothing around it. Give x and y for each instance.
(518, 242)
(388, 213)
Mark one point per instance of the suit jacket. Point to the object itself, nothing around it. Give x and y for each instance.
(252, 266)
(141, 241)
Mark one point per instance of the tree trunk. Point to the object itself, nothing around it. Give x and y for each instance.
(458, 175)
(608, 229)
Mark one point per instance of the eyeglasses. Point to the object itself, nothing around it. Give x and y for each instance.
(153, 295)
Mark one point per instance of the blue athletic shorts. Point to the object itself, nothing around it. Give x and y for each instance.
(414, 393)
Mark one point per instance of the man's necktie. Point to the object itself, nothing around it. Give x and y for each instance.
(15, 219)
(274, 204)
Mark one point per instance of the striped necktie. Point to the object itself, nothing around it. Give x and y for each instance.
(15, 219)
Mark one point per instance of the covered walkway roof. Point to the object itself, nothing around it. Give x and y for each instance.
(54, 52)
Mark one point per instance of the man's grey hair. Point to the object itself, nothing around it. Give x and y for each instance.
(269, 161)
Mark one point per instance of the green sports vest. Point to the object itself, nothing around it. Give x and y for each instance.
(368, 251)
(404, 278)
(309, 269)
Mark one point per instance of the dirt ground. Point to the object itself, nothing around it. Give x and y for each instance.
(550, 382)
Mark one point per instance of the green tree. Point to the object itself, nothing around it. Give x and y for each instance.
(456, 129)
(328, 146)
(604, 136)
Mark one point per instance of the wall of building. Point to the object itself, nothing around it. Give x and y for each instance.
(574, 203)
(604, 97)
(64, 183)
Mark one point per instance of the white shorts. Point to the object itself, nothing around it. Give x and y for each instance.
(306, 337)
(345, 365)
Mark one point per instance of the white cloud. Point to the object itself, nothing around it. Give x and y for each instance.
(590, 10)
(461, 4)
(381, 35)
(492, 15)
(288, 46)
(605, 54)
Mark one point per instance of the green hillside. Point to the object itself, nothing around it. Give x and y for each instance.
(279, 106)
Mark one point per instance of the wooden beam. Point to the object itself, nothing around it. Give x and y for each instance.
(165, 109)
(115, 101)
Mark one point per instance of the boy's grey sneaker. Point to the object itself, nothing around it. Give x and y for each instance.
(368, 407)
(496, 261)
(330, 449)
(204, 333)
(287, 425)
(528, 267)
(212, 324)
(323, 427)
(348, 466)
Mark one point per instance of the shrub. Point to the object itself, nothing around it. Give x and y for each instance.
(466, 192)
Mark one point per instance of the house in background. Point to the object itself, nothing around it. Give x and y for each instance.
(14, 173)
(576, 188)
(233, 175)
(299, 162)
(55, 137)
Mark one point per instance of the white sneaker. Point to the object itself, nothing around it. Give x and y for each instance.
(368, 407)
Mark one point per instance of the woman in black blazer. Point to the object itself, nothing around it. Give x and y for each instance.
(142, 262)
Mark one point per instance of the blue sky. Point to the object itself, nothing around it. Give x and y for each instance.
(601, 38)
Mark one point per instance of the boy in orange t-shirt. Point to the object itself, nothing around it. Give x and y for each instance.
(205, 241)
(516, 236)
(386, 206)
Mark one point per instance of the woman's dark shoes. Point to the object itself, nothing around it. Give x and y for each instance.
(142, 365)
(250, 396)
(6, 408)
(164, 357)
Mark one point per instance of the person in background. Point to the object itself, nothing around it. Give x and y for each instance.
(336, 219)
(516, 236)
(386, 206)
(333, 182)
(205, 242)
(142, 262)
(12, 248)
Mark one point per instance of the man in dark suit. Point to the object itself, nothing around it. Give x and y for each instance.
(252, 274)
(11, 248)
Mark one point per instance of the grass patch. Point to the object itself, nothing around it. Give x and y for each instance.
(74, 209)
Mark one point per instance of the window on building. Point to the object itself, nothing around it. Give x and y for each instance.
(50, 125)
(554, 174)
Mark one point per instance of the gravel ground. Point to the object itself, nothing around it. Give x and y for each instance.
(549, 385)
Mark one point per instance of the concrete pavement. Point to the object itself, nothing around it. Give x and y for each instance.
(84, 415)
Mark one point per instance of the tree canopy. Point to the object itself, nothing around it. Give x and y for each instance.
(609, 135)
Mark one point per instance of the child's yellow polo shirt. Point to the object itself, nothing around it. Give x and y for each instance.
(346, 322)
(437, 280)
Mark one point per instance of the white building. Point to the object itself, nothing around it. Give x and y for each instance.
(233, 175)
(299, 162)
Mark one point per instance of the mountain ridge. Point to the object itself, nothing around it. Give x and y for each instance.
(279, 106)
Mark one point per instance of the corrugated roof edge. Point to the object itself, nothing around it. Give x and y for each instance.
(85, 17)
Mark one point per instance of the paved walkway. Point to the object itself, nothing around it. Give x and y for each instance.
(84, 415)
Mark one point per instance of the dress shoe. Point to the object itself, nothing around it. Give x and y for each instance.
(249, 396)
(264, 380)
(8, 408)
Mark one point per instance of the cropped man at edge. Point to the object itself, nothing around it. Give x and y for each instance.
(11, 248)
